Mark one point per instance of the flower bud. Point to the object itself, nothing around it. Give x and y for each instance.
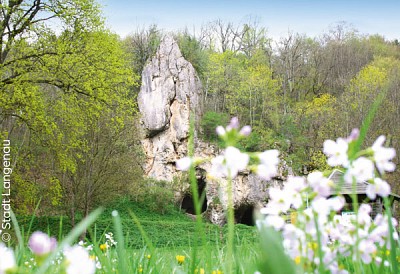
(245, 131)
(41, 244)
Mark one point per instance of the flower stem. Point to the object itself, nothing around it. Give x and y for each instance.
(231, 227)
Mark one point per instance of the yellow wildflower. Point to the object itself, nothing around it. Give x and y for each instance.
(103, 247)
(148, 256)
(297, 260)
(217, 272)
(199, 272)
(180, 259)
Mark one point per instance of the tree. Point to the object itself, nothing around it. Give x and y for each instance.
(223, 78)
(192, 50)
(141, 46)
(62, 91)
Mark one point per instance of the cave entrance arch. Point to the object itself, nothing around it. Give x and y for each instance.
(187, 201)
(244, 215)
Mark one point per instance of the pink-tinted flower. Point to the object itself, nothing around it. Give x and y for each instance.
(378, 187)
(355, 133)
(367, 249)
(41, 244)
(234, 124)
(363, 216)
(245, 131)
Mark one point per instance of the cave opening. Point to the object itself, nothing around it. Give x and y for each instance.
(187, 202)
(244, 215)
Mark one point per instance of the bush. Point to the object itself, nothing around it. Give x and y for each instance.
(209, 122)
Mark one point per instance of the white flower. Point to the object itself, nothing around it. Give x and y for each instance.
(265, 173)
(362, 169)
(218, 169)
(230, 164)
(379, 187)
(383, 155)
(367, 249)
(296, 183)
(110, 240)
(269, 157)
(7, 259)
(336, 152)
(280, 201)
(336, 203)
(320, 184)
(220, 131)
(78, 261)
(363, 216)
(294, 187)
(275, 221)
(321, 206)
(184, 163)
(268, 166)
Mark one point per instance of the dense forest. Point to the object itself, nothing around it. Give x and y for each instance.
(68, 97)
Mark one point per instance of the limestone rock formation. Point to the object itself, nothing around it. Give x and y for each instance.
(170, 90)
(249, 191)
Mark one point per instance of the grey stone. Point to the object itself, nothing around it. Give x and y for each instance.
(170, 93)
(170, 90)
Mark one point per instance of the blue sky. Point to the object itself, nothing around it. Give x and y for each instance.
(311, 17)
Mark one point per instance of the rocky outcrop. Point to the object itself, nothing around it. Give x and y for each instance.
(249, 191)
(170, 90)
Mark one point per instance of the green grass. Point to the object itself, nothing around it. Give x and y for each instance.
(171, 234)
(172, 229)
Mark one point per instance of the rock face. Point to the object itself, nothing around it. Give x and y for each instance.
(170, 92)
(249, 191)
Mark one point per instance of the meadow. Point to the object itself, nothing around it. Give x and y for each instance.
(127, 238)
(153, 242)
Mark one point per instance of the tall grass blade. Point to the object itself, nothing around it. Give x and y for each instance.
(17, 231)
(142, 231)
(273, 258)
(122, 258)
(393, 243)
(366, 124)
(33, 218)
(70, 238)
